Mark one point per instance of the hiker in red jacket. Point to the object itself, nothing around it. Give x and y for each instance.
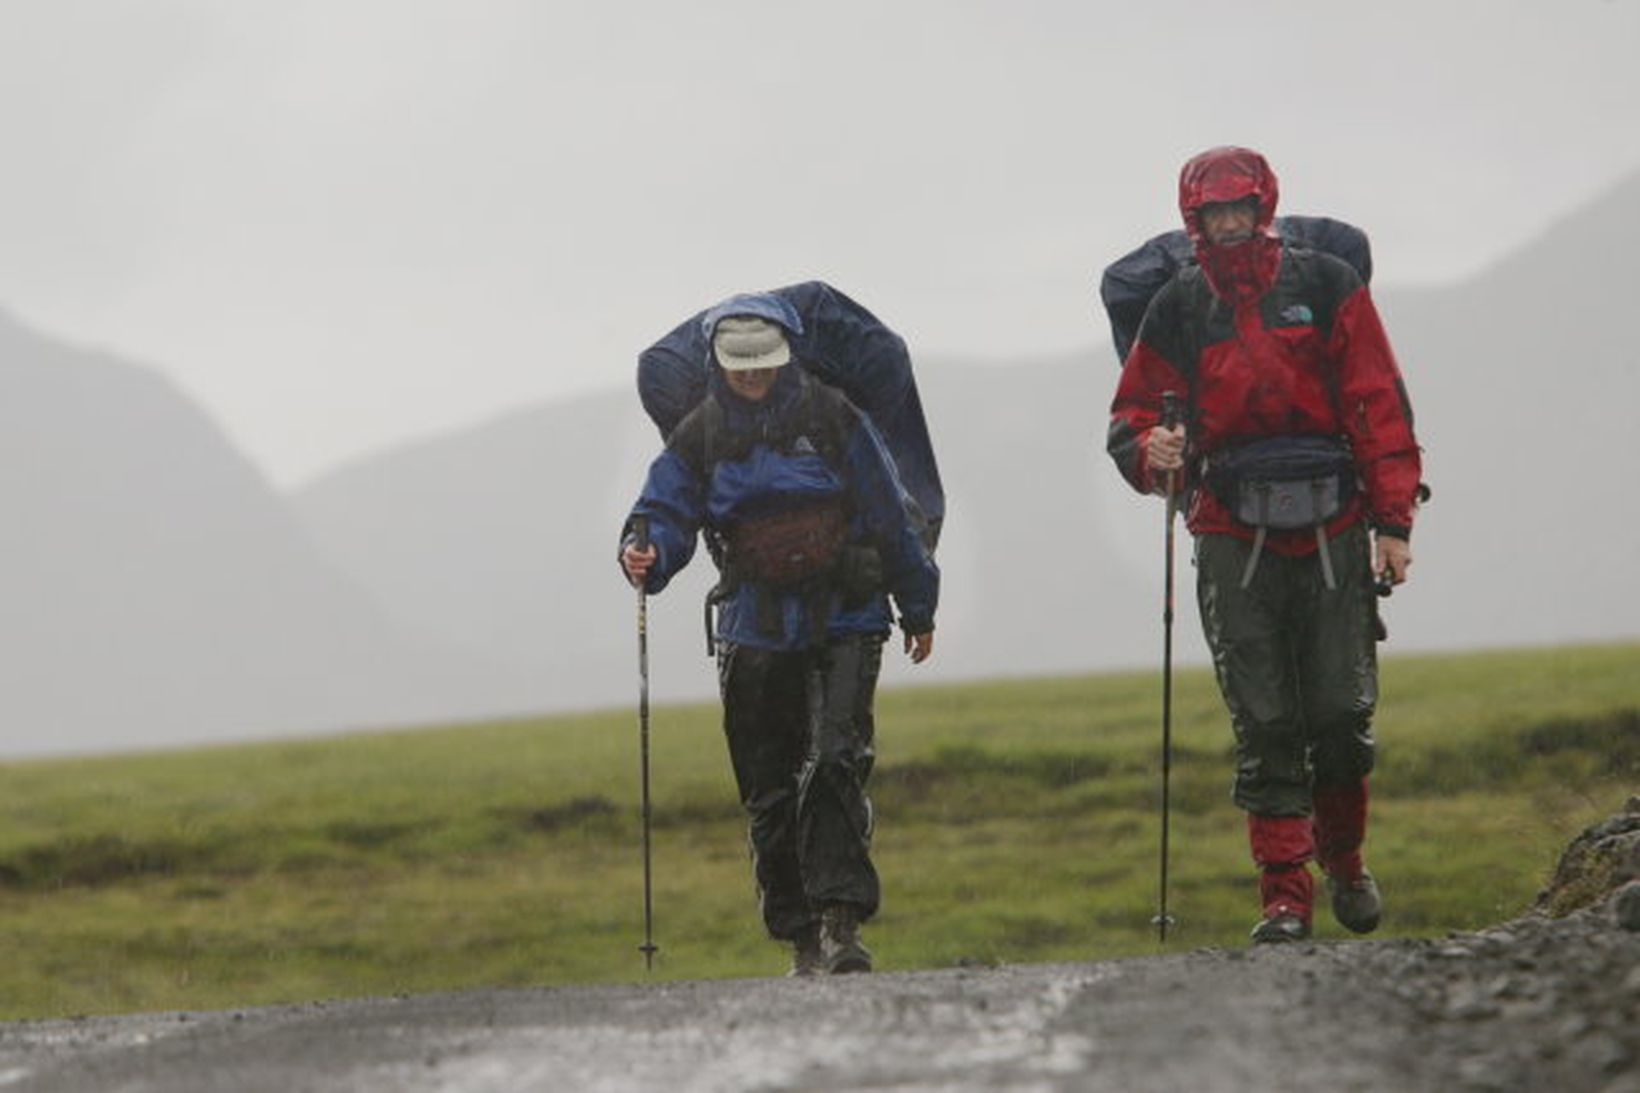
(1298, 453)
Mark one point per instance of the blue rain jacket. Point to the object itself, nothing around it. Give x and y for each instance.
(679, 502)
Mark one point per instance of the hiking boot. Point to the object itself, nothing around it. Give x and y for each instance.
(840, 941)
(1356, 904)
(808, 959)
(1281, 927)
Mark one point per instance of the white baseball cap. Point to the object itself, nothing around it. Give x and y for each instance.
(745, 342)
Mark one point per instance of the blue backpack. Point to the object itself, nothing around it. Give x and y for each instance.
(843, 345)
(1131, 280)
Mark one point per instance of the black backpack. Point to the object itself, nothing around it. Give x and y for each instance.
(1129, 282)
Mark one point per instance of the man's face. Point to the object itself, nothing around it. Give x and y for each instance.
(752, 384)
(1228, 222)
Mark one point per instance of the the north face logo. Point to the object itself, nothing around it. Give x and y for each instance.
(801, 446)
(1297, 314)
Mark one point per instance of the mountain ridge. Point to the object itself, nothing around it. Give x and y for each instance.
(159, 588)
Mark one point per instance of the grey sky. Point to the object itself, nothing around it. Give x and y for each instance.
(342, 224)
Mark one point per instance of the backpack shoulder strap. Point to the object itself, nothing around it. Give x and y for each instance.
(1330, 279)
(823, 414)
(692, 440)
(826, 418)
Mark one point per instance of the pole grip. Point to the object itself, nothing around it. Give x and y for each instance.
(1172, 412)
(640, 532)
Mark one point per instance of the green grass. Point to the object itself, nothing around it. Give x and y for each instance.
(1017, 821)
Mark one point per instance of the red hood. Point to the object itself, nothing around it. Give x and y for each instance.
(1228, 173)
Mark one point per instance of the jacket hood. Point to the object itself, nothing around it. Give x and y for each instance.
(1237, 272)
(762, 305)
(1226, 174)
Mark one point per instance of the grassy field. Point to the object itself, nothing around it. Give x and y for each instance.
(1017, 821)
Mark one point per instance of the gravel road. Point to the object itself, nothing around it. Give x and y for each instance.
(1536, 1005)
(1540, 1003)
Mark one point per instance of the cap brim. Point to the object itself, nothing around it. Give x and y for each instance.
(774, 358)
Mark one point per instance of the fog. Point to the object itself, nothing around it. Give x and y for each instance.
(318, 322)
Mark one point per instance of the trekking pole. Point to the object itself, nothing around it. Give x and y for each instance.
(640, 529)
(1170, 419)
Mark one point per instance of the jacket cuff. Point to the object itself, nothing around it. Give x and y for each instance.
(1394, 531)
(649, 584)
(917, 624)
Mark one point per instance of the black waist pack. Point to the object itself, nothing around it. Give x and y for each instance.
(1284, 482)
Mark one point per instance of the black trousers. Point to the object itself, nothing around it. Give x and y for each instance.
(800, 731)
(1297, 664)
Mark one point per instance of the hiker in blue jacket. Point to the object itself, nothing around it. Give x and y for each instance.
(804, 513)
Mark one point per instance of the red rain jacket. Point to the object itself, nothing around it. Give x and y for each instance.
(1263, 340)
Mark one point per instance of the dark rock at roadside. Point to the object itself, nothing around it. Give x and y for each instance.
(1596, 866)
(1626, 906)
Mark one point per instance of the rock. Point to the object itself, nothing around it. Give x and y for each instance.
(1602, 859)
(1628, 1083)
(1606, 1055)
(1575, 1026)
(1483, 1076)
(1627, 906)
(1469, 1003)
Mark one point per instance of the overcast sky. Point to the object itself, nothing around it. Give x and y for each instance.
(341, 224)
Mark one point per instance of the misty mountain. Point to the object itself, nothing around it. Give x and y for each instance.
(157, 589)
(1525, 381)
(503, 535)
(161, 592)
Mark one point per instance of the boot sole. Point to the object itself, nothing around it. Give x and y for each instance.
(1289, 931)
